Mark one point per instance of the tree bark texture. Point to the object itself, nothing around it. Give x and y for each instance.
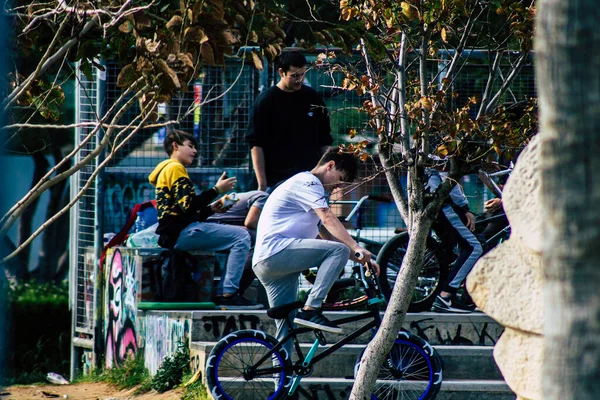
(393, 318)
(568, 80)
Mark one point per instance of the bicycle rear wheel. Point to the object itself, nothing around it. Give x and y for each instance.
(346, 293)
(412, 371)
(227, 371)
(430, 278)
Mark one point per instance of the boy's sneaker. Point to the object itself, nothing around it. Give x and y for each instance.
(451, 305)
(315, 319)
(236, 302)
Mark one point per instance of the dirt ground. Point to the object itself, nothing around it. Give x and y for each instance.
(80, 391)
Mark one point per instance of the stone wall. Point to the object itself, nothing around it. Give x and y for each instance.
(507, 283)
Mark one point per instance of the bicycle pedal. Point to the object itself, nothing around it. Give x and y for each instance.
(320, 338)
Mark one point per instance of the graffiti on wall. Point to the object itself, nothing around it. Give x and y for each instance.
(121, 295)
(87, 362)
(123, 191)
(163, 336)
(120, 199)
(482, 334)
(220, 325)
(213, 327)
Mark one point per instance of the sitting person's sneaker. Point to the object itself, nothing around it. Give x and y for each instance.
(315, 319)
(236, 302)
(451, 305)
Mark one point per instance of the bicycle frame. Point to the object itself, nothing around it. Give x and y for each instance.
(303, 367)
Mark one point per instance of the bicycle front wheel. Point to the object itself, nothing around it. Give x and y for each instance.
(412, 371)
(430, 278)
(232, 371)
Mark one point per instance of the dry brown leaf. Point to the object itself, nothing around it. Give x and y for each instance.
(279, 32)
(186, 59)
(126, 27)
(240, 20)
(169, 76)
(229, 37)
(257, 61)
(144, 65)
(217, 9)
(142, 20)
(127, 76)
(267, 34)
(195, 34)
(174, 23)
(153, 111)
(207, 53)
(151, 45)
(426, 103)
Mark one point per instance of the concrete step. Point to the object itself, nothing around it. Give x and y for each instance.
(460, 362)
(437, 328)
(340, 388)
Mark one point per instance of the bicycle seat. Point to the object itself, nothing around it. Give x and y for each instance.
(282, 311)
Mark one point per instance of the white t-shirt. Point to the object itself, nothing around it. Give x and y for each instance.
(289, 214)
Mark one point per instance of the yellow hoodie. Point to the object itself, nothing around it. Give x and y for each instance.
(177, 202)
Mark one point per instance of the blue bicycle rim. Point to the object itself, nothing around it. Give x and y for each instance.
(429, 365)
(268, 345)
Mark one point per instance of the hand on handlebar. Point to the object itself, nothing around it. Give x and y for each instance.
(374, 266)
(366, 258)
(470, 221)
(493, 205)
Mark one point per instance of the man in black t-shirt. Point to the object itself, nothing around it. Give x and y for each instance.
(289, 128)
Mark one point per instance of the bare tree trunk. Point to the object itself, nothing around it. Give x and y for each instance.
(568, 79)
(393, 318)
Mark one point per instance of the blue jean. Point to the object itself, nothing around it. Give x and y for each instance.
(209, 236)
(280, 272)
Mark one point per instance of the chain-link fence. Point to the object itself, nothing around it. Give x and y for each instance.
(227, 95)
(216, 110)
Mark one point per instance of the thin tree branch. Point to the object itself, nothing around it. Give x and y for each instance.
(9, 220)
(506, 84)
(38, 71)
(88, 183)
(489, 83)
(36, 190)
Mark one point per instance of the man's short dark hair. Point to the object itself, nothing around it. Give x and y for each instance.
(178, 137)
(289, 59)
(344, 161)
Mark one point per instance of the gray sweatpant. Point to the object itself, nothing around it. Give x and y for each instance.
(279, 274)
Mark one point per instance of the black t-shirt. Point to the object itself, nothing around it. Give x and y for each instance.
(291, 128)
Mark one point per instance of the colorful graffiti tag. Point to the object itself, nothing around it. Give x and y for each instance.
(121, 296)
(163, 336)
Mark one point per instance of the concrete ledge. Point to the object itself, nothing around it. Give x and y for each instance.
(451, 390)
(438, 329)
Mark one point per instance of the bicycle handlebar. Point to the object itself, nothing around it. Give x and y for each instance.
(368, 267)
(487, 180)
(499, 173)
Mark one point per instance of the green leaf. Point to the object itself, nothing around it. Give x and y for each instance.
(86, 68)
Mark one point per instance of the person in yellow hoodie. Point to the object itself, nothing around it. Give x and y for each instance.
(181, 216)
